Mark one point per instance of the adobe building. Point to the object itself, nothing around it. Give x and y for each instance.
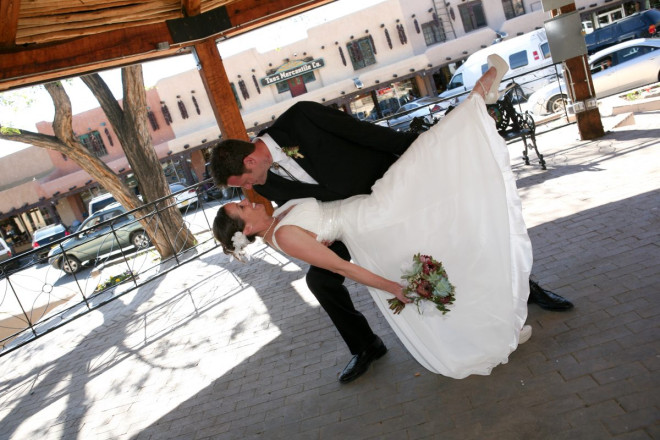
(366, 64)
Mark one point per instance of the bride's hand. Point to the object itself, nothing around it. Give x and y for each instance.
(399, 301)
(398, 292)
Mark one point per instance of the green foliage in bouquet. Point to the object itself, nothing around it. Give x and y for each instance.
(426, 281)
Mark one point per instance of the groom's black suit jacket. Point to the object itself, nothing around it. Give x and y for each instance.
(344, 155)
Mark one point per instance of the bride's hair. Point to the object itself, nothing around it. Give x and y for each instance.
(224, 228)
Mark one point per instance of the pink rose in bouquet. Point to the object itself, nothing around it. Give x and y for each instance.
(427, 281)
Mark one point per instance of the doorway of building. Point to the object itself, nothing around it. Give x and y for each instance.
(297, 86)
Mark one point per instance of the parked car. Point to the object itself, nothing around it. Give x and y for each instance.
(186, 198)
(94, 239)
(43, 237)
(639, 25)
(6, 253)
(618, 68)
(210, 191)
(427, 108)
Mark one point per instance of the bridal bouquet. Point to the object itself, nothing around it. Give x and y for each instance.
(426, 281)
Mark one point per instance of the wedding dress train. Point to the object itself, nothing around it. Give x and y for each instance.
(452, 195)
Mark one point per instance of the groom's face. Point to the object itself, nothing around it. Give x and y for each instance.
(256, 173)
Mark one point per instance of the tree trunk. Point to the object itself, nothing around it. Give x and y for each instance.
(131, 128)
(166, 230)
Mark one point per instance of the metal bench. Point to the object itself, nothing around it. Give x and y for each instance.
(511, 125)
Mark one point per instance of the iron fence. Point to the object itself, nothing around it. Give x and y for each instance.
(99, 263)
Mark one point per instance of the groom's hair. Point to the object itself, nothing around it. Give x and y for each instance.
(227, 159)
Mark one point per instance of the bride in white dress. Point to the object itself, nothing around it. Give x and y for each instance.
(452, 196)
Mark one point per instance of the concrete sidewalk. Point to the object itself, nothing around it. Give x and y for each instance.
(221, 350)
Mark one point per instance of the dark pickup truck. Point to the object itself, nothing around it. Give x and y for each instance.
(640, 25)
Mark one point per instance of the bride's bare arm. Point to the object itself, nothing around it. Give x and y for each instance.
(300, 244)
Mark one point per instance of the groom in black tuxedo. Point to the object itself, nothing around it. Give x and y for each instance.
(314, 151)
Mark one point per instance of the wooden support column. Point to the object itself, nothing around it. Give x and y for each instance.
(580, 87)
(227, 114)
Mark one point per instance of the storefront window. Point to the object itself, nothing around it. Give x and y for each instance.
(364, 108)
(388, 100)
(174, 172)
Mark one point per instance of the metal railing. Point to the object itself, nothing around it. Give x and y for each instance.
(112, 258)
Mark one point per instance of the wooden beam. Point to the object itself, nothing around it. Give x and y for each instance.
(34, 64)
(191, 7)
(9, 13)
(226, 111)
(217, 84)
(580, 88)
(246, 15)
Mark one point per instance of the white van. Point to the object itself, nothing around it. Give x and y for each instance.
(100, 202)
(524, 54)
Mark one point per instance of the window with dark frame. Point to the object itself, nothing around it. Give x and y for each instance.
(513, 8)
(433, 33)
(361, 53)
(472, 15)
(94, 143)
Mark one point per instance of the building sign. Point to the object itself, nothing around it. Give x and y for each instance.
(291, 72)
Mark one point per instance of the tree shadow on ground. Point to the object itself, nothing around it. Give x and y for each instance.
(29, 393)
(289, 389)
(287, 386)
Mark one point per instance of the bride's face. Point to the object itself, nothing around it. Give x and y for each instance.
(249, 212)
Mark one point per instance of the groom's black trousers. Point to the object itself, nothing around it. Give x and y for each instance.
(329, 289)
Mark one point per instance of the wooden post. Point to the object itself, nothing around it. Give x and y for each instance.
(227, 114)
(580, 86)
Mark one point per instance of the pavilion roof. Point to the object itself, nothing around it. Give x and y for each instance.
(42, 40)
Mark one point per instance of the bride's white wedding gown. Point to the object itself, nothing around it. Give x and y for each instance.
(452, 195)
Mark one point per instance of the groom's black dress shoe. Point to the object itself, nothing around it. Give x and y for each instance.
(361, 361)
(546, 299)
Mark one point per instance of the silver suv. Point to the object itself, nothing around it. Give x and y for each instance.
(95, 238)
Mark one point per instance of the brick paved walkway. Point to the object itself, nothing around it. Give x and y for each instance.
(221, 350)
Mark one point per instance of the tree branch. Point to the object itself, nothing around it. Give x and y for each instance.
(104, 96)
(36, 139)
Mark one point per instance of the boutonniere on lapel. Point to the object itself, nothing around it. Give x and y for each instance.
(292, 152)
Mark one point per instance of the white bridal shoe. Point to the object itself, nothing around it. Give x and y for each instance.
(525, 334)
(501, 67)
